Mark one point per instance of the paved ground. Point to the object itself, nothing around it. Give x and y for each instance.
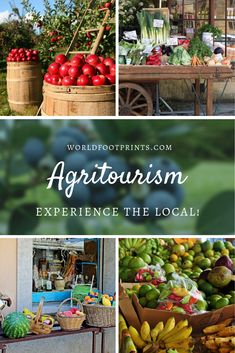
(186, 109)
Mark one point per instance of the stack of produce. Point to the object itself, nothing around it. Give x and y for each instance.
(22, 54)
(137, 253)
(187, 53)
(167, 338)
(204, 265)
(97, 298)
(90, 70)
(220, 338)
(45, 319)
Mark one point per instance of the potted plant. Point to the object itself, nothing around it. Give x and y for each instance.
(208, 33)
(207, 28)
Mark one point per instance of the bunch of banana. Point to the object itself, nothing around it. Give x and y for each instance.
(44, 318)
(220, 338)
(162, 338)
(130, 246)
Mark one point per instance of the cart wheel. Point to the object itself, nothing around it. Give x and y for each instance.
(134, 100)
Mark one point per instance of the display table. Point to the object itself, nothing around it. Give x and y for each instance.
(133, 77)
(56, 332)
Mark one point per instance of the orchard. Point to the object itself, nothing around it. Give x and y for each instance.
(39, 41)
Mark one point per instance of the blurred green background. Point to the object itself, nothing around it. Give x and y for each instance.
(204, 150)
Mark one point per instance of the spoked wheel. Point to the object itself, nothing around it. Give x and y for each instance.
(134, 100)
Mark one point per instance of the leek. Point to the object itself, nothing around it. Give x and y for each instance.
(157, 35)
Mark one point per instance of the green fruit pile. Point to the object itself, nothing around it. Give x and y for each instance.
(136, 253)
(192, 259)
(148, 296)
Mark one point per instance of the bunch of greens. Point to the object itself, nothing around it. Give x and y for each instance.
(156, 34)
(216, 31)
(198, 48)
(179, 56)
(128, 11)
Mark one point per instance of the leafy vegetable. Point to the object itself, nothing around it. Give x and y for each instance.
(179, 56)
(198, 48)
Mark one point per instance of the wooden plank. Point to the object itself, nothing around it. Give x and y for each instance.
(209, 98)
(197, 95)
(137, 74)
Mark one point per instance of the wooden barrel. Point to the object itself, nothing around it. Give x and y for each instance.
(24, 85)
(78, 101)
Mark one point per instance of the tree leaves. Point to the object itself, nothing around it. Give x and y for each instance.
(23, 220)
(217, 215)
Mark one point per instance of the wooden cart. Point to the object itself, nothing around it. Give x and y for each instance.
(135, 92)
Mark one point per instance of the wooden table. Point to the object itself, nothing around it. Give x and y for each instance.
(146, 74)
(56, 332)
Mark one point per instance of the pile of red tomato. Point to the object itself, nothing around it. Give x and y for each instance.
(90, 70)
(22, 54)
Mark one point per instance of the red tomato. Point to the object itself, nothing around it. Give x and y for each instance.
(53, 68)
(77, 62)
(74, 71)
(56, 80)
(61, 59)
(88, 70)
(64, 70)
(107, 28)
(103, 69)
(109, 61)
(112, 69)
(107, 5)
(92, 59)
(35, 52)
(99, 80)
(101, 58)
(83, 80)
(67, 81)
(111, 79)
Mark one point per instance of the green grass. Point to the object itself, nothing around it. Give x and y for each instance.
(5, 110)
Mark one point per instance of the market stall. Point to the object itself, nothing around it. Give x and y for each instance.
(62, 289)
(164, 43)
(143, 74)
(176, 295)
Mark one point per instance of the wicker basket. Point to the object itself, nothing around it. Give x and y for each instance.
(99, 315)
(36, 325)
(71, 323)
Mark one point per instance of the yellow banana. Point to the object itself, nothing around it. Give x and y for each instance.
(181, 344)
(184, 333)
(156, 330)
(136, 338)
(28, 313)
(183, 350)
(170, 324)
(181, 324)
(122, 327)
(149, 345)
(129, 346)
(145, 331)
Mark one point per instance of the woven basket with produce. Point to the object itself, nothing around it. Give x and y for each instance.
(99, 309)
(72, 319)
(39, 324)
